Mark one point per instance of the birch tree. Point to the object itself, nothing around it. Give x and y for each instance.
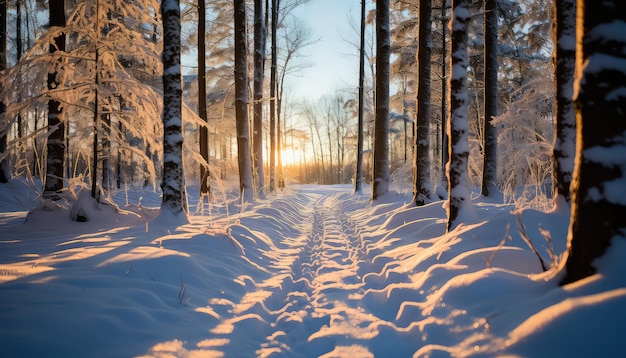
(380, 176)
(565, 115)
(459, 206)
(174, 201)
(241, 102)
(599, 181)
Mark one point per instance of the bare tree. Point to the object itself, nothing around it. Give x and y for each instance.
(56, 124)
(260, 33)
(490, 137)
(422, 188)
(241, 103)
(174, 201)
(205, 176)
(273, 69)
(598, 206)
(565, 116)
(380, 178)
(459, 202)
(358, 175)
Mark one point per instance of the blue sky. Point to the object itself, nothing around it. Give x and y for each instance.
(334, 61)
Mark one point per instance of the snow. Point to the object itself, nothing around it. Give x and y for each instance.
(312, 271)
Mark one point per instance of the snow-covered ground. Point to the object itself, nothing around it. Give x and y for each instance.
(313, 271)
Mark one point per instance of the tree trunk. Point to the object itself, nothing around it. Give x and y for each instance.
(444, 95)
(422, 188)
(380, 184)
(598, 205)
(174, 201)
(565, 117)
(358, 175)
(205, 175)
(4, 164)
(459, 204)
(241, 103)
(275, 4)
(260, 34)
(490, 136)
(56, 125)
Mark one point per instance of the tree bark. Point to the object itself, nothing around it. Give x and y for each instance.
(56, 124)
(565, 116)
(422, 187)
(260, 34)
(459, 204)
(358, 174)
(241, 103)
(205, 174)
(4, 164)
(273, 69)
(490, 136)
(598, 205)
(380, 184)
(174, 201)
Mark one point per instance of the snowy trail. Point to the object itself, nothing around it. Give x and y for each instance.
(306, 307)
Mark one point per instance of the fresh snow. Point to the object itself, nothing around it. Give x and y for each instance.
(312, 271)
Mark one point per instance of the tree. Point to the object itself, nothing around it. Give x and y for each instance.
(273, 69)
(260, 33)
(459, 202)
(4, 165)
(565, 115)
(422, 187)
(490, 136)
(241, 103)
(174, 201)
(358, 175)
(56, 124)
(205, 178)
(598, 206)
(380, 184)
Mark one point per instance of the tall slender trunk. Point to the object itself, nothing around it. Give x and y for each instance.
(4, 165)
(565, 115)
(422, 187)
(459, 201)
(444, 96)
(380, 184)
(260, 33)
(205, 175)
(241, 103)
(490, 136)
(275, 4)
(358, 175)
(56, 124)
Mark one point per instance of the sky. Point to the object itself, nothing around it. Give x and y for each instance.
(334, 62)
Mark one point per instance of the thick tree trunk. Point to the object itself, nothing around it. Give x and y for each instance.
(56, 125)
(380, 184)
(565, 116)
(174, 201)
(422, 188)
(459, 202)
(241, 103)
(598, 205)
(490, 136)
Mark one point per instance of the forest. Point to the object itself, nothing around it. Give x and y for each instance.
(487, 132)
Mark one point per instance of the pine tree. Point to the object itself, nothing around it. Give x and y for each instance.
(260, 33)
(4, 164)
(56, 123)
(241, 103)
(598, 206)
(174, 201)
(490, 136)
(565, 115)
(422, 188)
(459, 202)
(380, 176)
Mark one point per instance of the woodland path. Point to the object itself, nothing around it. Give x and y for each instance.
(306, 309)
